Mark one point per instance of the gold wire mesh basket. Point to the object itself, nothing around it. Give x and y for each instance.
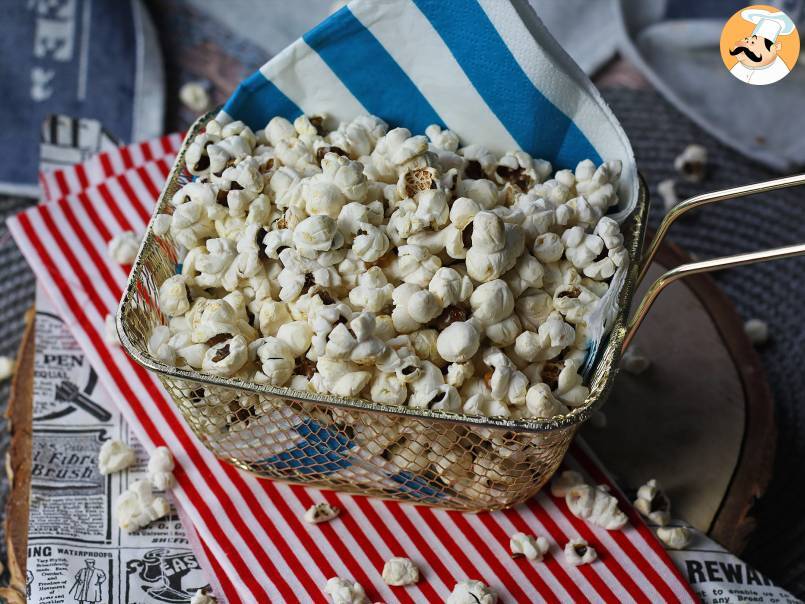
(428, 457)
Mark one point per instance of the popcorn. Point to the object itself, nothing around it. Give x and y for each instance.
(442, 139)
(115, 456)
(340, 377)
(505, 332)
(370, 242)
(596, 506)
(388, 389)
(633, 362)
(492, 302)
(321, 512)
(373, 292)
(316, 234)
(470, 591)
(480, 161)
(355, 260)
(137, 507)
(123, 247)
(277, 361)
(429, 391)
(667, 190)
(578, 552)
(541, 402)
(533, 548)
(160, 469)
(507, 382)
(162, 224)
(564, 482)
(201, 597)
(581, 248)
(757, 331)
(458, 373)
(569, 388)
(692, 163)
(297, 335)
(496, 246)
(459, 342)
(653, 503)
(482, 191)
(399, 571)
(398, 151)
(675, 537)
(343, 591)
(173, 296)
(272, 316)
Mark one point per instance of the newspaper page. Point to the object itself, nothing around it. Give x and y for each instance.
(719, 577)
(76, 552)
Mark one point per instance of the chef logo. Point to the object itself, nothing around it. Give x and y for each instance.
(760, 45)
(165, 576)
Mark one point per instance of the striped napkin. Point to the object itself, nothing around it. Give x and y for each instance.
(487, 69)
(250, 531)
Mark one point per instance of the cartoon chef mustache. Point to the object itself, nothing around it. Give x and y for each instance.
(743, 49)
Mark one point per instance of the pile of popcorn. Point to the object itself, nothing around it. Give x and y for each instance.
(404, 269)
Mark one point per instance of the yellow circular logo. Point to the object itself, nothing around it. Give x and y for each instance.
(760, 45)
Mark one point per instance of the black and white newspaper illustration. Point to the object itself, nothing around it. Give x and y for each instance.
(719, 577)
(76, 552)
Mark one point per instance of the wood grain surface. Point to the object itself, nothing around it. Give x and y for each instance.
(18, 466)
(701, 419)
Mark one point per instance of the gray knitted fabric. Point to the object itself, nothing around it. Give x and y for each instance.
(772, 291)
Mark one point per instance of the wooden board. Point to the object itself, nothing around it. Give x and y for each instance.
(18, 466)
(700, 420)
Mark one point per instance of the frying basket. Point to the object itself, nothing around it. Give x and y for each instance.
(422, 456)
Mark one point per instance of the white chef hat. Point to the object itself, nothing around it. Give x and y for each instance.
(768, 25)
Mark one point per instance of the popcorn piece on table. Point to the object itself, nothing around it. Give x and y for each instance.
(561, 484)
(692, 163)
(115, 456)
(344, 591)
(667, 190)
(7, 367)
(138, 507)
(160, 469)
(653, 503)
(470, 591)
(634, 362)
(399, 571)
(596, 506)
(201, 597)
(533, 548)
(757, 330)
(194, 96)
(123, 247)
(675, 537)
(578, 552)
(321, 512)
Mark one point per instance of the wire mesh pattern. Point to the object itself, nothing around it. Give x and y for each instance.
(423, 456)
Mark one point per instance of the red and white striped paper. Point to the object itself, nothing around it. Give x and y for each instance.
(251, 531)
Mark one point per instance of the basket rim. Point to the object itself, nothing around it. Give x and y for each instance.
(613, 340)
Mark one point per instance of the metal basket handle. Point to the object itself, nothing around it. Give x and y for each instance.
(705, 266)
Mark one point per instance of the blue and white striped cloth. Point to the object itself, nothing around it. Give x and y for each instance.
(486, 69)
